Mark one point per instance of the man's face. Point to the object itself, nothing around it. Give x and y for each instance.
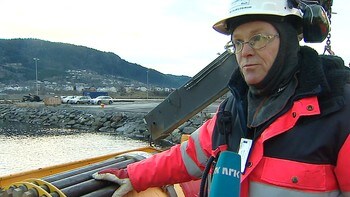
(256, 63)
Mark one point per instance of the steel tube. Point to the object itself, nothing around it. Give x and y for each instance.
(85, 187)
(83, 169)
(8, 192)
(19, 191)
(73, 180)
(33, 192)
(107, 191)
(30, 193)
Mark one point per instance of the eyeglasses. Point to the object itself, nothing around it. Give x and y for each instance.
(257, 41)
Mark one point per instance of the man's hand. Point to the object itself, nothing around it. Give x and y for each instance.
(119, 176)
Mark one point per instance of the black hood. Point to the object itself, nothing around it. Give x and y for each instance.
(285, 64)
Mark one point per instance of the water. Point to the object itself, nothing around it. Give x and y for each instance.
(26, 147)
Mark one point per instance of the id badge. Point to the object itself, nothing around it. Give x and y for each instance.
(244, 149)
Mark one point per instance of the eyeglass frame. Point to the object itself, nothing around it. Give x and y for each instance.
(231, 49)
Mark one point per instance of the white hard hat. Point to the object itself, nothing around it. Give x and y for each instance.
(240, 10)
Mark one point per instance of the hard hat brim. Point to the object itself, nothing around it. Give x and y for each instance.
(227, 25)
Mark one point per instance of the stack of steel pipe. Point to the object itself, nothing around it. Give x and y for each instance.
(78, 182)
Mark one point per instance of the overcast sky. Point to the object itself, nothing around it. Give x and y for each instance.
(171, 36)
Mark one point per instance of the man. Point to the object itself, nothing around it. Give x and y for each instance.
(291, 103)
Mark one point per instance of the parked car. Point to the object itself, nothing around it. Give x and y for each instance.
(102, 99)
(66, 99)
(31, 98)
(80, 100)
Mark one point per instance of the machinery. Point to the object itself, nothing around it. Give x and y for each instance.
(203, 89)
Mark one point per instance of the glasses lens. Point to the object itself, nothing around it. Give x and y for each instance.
(258, 41)
(237, 45)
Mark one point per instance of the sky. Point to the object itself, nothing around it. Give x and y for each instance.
(170, 36)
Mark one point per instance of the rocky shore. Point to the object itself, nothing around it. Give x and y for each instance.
(127, 124)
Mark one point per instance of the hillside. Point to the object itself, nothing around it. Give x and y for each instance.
(56, 59)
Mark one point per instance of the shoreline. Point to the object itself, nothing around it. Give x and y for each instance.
(92, 118)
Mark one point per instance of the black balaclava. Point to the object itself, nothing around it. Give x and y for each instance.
(268, 97)
(285, 63)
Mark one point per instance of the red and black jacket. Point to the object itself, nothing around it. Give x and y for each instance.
(303, 150)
